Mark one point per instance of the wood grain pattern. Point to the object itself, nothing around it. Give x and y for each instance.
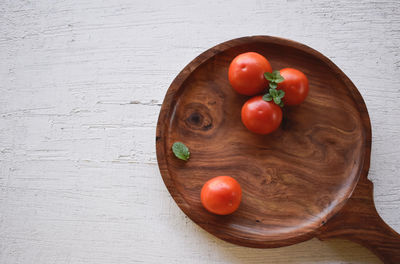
(359, 221)
(294, 179)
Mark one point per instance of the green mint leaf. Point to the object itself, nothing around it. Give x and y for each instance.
(273, 85)
(274, 78)
(277, 100)
(269, 76)
(277, 77)
(273, 92)
(267, 97)
(181, 151)
(281, 93)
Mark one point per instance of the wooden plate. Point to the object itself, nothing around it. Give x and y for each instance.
(295, 179)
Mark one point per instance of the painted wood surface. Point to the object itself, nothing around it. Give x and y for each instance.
(81, 86)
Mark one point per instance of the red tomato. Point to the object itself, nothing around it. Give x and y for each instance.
(295, 86)
(221, 195)
(261, 117)
(246, 73)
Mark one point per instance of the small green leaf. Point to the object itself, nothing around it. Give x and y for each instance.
(277, 100)
(269, 76)
(273, 85)
(281, 93)
(278, 77)
(274, 77)
(267, 97)
(181, 151)
(273, 92)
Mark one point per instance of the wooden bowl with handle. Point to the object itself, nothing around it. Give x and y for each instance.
(307, 179)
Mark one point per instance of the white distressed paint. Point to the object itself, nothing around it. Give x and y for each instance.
(81, 85)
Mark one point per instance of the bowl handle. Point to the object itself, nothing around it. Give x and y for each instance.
(359, 221)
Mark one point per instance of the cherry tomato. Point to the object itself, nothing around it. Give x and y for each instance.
(246, 73)
(221, 195)
(295, 86)
(261, 117)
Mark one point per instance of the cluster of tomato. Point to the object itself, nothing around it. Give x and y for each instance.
(251, 74)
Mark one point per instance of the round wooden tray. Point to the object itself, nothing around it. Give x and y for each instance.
(295, 179)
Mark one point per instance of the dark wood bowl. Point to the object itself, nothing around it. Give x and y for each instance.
(294, 180)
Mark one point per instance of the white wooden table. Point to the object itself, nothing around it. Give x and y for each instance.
(81, 86)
